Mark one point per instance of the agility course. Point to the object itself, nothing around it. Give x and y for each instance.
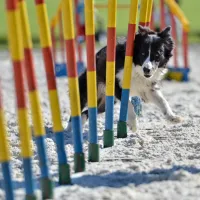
(21, 49)
(177, 72)
(169, 13)
(60, 67)
(110, 74)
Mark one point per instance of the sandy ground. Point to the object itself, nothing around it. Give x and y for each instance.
(160, 161)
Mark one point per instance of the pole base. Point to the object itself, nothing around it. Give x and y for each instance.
(93, 153)
(31, 197)
(108, 138)
(79, 162)
(64, 174)
(121, 129)
(47, 188)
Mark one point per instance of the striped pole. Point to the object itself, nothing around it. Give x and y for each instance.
(16, 50)
(175, 9)
(80, 52)
(162, 14)
(185, 48)
(39, 131)
(74, 94)
(152, 22)
(174, 35)
(145, 12)
(53, 24)
(78, 44)
(91, 81)
(53, 38)
(122, 126)
(110, 73)
(149, 12)
(62, 42)
(5, 154)
(46, 44)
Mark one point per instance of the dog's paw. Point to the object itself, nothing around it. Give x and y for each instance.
(133, 125)
(175, 119)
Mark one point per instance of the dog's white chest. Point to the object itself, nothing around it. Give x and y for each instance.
(136, 86)
(139, 85)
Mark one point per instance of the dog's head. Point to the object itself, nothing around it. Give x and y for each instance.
(152, 50)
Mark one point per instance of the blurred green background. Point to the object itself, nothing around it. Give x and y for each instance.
(189, 7)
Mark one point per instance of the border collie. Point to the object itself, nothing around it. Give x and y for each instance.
(152, 51)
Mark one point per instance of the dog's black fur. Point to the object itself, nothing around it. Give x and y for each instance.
(157, 46)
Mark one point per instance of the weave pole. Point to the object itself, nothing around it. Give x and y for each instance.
(110, 73)
(78, 44)
(53, 38)
(46, 44)
(91, 81)
(38, 128)
(16, 51)
(145, 12)
(74, 94)
(149, 12)
(162, 14)
(174, 35)
(5, 154)
(152, 22)
(180, 73)
(122, 126)
(54, 22)
(62, 41)
(185, 49)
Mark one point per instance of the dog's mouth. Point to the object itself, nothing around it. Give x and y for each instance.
(147, 75)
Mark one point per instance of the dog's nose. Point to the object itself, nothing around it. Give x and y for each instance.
(146, 70)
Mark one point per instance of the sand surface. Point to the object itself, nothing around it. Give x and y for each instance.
(160, 161)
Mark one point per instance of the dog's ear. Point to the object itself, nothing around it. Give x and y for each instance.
(166, 33)
(166, 37)
(142, 30)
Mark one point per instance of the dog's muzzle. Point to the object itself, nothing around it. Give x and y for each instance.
(147, 68)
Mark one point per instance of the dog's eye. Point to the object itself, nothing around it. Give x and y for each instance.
(143, 54)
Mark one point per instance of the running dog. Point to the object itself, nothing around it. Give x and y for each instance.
(152, 51)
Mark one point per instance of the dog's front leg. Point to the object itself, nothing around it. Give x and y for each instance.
(159, 100)
(132, 118)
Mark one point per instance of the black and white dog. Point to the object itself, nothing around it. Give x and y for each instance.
(152, 51)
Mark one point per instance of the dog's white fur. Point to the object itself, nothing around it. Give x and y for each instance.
(148, 90)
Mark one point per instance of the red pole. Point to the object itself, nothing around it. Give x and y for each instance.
(162, 14)
(69, 37)
(53, 37)
(149, 12)
(62, 44)
(79, 47)
(80, 53)
(76, 18)
(173, 23)
(185, 48)
(152, 22)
